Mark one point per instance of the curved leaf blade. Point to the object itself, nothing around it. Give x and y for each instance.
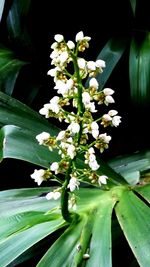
(139, 71)
(2, 2)
(100, 245)
(133, 5)
(10, 67)
(16, 244)
(111, 54)
(133, 216)
(21, 144)
(144, 191)
(14, 112)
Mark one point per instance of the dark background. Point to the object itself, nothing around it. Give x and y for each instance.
(101, 20)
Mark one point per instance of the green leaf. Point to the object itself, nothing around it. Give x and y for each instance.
(111, 54)
(16, 20)
(21, 144)
(130, 166)
(2, 2)
(133, 5)
(65, 245)
(133, 216)
(139, 71)
(16, 244)
(16, 113)
(144, 191)
(100, 245)
(9, 70)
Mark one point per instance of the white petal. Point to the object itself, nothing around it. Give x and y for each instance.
(79, 36)
(94, 83)
(108, 91)
(59, 38)
(70, 45)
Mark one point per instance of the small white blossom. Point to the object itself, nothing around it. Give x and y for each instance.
(105, 138)
(54, 167)
(71, 151)
(116, 120)
(73, 184)
(54, 106)
(91, 65)
(95, 129)
(42, 137)
(94, 83)
(38, 176)
(61, 136)
(109, 100)
(100, 63)
(91, 107)
(70, 45)
(80, 37)
(59, 38)
(53, 195)
(81, 63)
(112, 112)
(86, 98)
(74, 127)
(102, 179)
(45, 110)
(108, 91)
(63, 57)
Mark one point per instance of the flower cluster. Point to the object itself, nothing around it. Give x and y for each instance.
(77, 106)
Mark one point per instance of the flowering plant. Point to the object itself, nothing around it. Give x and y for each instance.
(76, 105)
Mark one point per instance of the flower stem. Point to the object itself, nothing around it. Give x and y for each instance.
(65, 196)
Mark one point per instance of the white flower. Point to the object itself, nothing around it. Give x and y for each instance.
(102, 179)
(112, 112)
(38, 176)
(54, 167)
(116, 120)
(71, 151)
(53, 195)
(80, 37)
(109, 100)
(73, 184)
(108, 91)
(59, 38)
(45, 110)
(94, 165)
(93, 83)
(95, 129)
(86, 98)
(63, 57)
(61, 136)
(105, 138)
(70, 45)
(81, 63)
(74, 127)
(91, 107)
(91, 65)
(91, 150)
(54, 106)
(100, 63)
(106, 117)
(54, 54)
(42, 137)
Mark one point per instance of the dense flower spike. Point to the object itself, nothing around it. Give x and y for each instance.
(84, 127)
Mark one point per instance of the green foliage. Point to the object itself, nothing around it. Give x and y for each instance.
(27, 217)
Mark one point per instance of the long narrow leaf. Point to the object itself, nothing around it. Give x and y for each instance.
(133, 216)
(16, 113)
(2, 2)
(111, 54)
(139, 71)
(133, 5)
(16, 244)
(21, 144)
(9, 70)
(100, 246)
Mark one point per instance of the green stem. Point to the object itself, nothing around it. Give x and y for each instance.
(65, 194)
